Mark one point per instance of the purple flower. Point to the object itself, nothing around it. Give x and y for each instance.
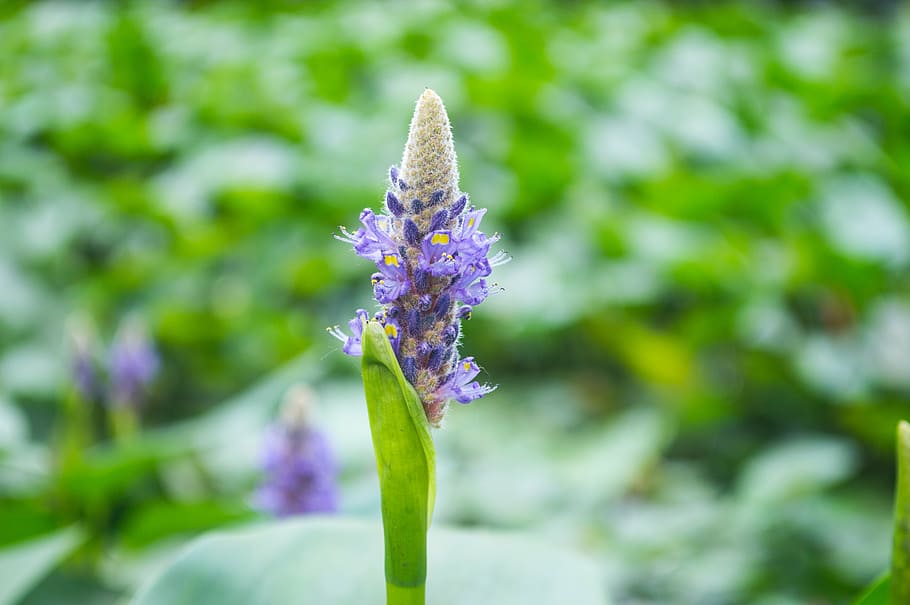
(474, 244)
(373, 238)
(460, 384)
(432, 262)
(85, 374)
(83, 363)
(437, 253)
(391, 283)
(297, 460)
(300, 473)
(352, 344)
(133, 365)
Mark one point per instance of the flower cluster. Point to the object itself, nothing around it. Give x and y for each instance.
(132, 364)
(432, 264)
(83, 366)
(300, 469)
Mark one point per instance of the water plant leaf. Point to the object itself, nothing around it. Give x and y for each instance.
(336, 561)
(23, 565)
(405, 460)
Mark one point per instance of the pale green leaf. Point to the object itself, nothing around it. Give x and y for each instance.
(324, 561)
(23, 565)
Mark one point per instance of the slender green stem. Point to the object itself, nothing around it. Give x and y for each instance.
(900, 557)
(124, 423)
(74, 432)
(397, 595)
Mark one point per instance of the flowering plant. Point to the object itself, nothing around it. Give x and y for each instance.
(432, 264)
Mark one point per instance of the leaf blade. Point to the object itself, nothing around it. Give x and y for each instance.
(335, 561)
(22, 566)
(876, 593)
(405, 460)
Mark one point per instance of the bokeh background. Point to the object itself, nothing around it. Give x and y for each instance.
(704, 341)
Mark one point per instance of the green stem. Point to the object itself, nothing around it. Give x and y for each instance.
(124, 423)
(75, 431)
(397, 595)
(900, 557)
(405, 461)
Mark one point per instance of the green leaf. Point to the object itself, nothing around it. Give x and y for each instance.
(109, 470)
(333, 561)
(900, 555)
(877, 593)
(24, 564)
(158, 520)
(405, 460)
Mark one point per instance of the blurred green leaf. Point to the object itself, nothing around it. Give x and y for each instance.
(13, 426)
(159, 520)
(878, 593)
(110, 470)
(796, 467)
(339, 562)
(24, 564)
(24, 519)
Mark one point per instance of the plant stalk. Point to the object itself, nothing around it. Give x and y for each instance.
(900, 556)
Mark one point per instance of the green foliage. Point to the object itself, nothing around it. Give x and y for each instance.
(339, 562)
(703, 340)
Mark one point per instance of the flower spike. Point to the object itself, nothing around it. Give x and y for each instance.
(432, 262)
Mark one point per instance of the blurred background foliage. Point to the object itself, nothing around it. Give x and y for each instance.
(704, 341)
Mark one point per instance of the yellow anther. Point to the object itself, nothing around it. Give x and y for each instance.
(391, 330)
(467, 365)
(391, 259)
(440, 238)
(471, 222)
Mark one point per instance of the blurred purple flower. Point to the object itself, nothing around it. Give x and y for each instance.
(83, 364)
(133, 365)
(85, 377)
(300, 469)
(300, 473)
